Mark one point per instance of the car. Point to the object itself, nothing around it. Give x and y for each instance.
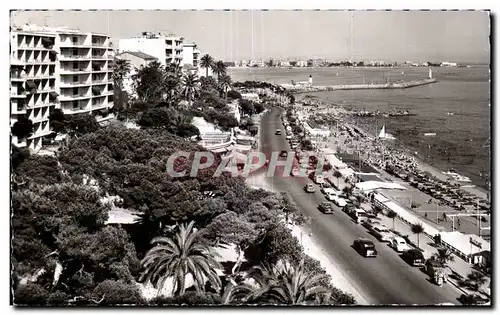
(326, 207)
(472, 299)
(414, 257)
(365, 247)
(310, 188)
(278, 132)
(294, 146)
(283, 153)
(382, 233)
(371, 222)
(339, 201)
(288, 137)
(329, 193)
(399, 244)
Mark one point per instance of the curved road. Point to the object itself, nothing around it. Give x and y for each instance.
(384, 280)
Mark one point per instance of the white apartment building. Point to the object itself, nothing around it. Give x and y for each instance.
(58, 68)
(191, 55)
(167, 48)
(32, 83)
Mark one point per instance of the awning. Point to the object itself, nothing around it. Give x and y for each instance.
(53, 94)
(53, 52)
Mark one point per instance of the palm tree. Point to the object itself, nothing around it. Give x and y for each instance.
(444, 256)
(219, 69)
(288, 284)
(190, 87)
(120, 70)
(206, 62)
(417, 228)
(225, 84)
(172, 83)
(475, 280)
(176, 257)
(392, 215)
(337, 175)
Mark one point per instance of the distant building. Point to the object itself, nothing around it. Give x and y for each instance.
(190, 56)
(166, 48)
(137, 60)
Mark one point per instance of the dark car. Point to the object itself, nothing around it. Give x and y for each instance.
(472, 299)
(326, 207)
(283, 153)
(365, 247)
(414, 257)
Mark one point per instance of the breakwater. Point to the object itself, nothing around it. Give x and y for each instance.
(388, 86)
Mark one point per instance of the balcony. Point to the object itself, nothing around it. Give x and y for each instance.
(100, 57)
(40, 61)
(72, 97)
(18, 110)
(16, 94)
(73, 57)
(75, 44)
(40, 104)
(103, 44)
(69, 84)
(39, 76)
(16, 62)
(73, 70)
(178, 48)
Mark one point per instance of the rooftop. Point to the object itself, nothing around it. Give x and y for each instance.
(139, 54)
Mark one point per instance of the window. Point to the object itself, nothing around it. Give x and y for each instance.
(75, 91)
(75, 64)
(75, 78)
(75, 52)
(75, 40)
(75, 104)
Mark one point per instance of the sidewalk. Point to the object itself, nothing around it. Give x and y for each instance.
(458, 266)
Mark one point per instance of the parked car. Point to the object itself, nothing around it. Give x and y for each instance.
(365, 247)
(283, 153)
(309, 188)
(278, 132)
(382, 233)
(288, 137)
(326, 207)
(414, 257)
(294, 146)
(330, 193)
(369, 223)
(399, 244)
(359, 215)
(339, 201)
(472, 299)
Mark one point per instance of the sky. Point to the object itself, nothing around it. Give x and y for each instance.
(456, 36)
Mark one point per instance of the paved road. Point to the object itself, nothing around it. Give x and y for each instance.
(386, 279)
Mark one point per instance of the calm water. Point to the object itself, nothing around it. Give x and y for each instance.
(465, 92)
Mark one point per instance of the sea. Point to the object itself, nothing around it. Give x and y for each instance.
(456, 108)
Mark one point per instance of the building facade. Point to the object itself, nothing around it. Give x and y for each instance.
(166, 48)
(32, 83)
(57, 68)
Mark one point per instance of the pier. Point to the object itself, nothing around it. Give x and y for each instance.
(386, 86)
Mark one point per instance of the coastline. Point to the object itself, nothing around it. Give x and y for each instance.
(435, 169)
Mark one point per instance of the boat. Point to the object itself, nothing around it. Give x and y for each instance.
(429, 134)
(384, 135)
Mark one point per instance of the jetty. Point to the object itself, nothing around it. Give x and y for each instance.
(374, 86)
(307, 86)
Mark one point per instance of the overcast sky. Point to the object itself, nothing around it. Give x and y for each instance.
(373, 35)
